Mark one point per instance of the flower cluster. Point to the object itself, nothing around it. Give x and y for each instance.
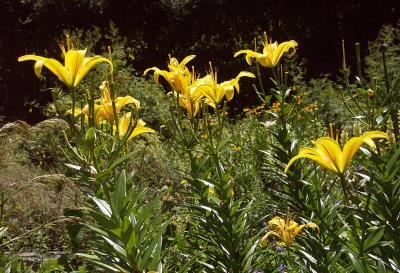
(310, 108)
(191, 90)
(276, 107)
(107, 108)
(255, 110)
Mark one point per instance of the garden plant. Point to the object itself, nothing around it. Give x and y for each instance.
(166, 177)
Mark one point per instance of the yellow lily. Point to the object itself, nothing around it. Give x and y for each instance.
(272, 52)
(189, 96)
(214, 91)
(190, 99)
(103, 107)
(140, 128)
(286, 230)
(178, 74)
(328, 153)
(75, 67)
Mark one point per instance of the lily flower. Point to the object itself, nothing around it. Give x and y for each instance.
(103, 108)
(139, 129)
(190, 98)
(328, 153)
(214, 91)
(285, 230)
(178, 73)
(75, 67)
(272, 52)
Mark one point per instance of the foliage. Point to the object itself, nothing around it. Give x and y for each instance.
(199, 190)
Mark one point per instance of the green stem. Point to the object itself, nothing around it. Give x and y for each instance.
(358, 55)
(363, 226)
(343, 182)
(259, 78)
(275, 75)
(348, 107)
(56, 106)
(114, 110)
(258, 94)
(393, 113)
(73, 104)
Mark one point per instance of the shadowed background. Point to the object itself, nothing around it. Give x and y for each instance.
(211, 29)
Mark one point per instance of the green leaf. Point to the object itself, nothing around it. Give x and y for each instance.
(103, 206)
(358, 266)
(122, 159)
(119, 196)
(373, 238)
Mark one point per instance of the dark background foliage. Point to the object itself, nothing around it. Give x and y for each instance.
(211, 29)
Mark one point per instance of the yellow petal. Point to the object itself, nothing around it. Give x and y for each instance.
(352, 146)
(53, 65)
(87, 64)
(315, 155)
(331, 149)
(38, 68)
(283, 48)
(300, 228)
(264, 240)
(73, 62)
(186, 60)
(150, 69)
(249, 54)
(245, 74)
(140, 129)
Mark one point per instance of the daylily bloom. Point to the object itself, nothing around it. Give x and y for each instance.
(328, 153)
(103, 108)
(75, 67)
(189, 96)
(214, 91)
(183, 83)
(272, 52)
(190, 99)
(285, 230)
(139, 129)
(178, 73)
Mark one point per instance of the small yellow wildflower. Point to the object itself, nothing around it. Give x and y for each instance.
(286, 230)
(276, 107)
(236, 148)
(370, 93)
(310, 108)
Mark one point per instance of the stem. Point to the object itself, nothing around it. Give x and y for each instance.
(358, 55)
(344, 187)
(114, 109)
(348, 107)
(258, 94)
(73, 103)
(363, 226)
(2, 204)
(259, 77)
(393, 114)
(53, 96)
(275, 75)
